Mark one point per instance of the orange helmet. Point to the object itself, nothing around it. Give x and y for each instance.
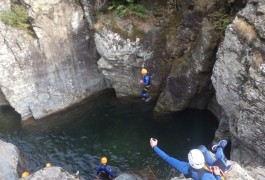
(25, 174)
(48, 165)
(143, 71)
(104, 160)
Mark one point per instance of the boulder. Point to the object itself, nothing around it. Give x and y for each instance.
(9, 161)
(51, 173)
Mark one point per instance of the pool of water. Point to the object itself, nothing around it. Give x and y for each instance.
(119, 129)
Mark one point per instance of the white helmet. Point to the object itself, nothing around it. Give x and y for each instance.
(196, 159)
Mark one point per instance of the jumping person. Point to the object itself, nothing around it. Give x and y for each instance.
(146, 84)
(104, 171)
(197, 168)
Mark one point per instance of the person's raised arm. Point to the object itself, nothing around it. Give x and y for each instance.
(179, 165)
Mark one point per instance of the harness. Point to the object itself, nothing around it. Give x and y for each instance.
(200, 172)
(103, 169)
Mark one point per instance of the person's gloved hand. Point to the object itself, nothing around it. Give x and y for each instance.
(216, 171)
(153, 142)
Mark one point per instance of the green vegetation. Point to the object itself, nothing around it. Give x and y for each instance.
(136, 31)
(125, 8)
(17, 17)
(219, 21)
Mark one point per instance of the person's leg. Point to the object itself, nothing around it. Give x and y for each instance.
(221, 160)
(144, 94)
(221, 144)
(220, 155)
(207, 155)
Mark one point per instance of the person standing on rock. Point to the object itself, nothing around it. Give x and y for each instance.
(197, 168)
(104, 171)
(146, 82)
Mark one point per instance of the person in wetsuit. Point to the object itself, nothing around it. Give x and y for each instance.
(197, 168)
(104, 171)
(146, 84)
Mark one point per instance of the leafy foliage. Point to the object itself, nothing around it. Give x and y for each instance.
(17, 17)
(219, 21)
(128, 8)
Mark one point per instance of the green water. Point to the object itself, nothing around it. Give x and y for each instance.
(118, 129)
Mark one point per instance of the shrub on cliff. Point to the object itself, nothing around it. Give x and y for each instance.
(17, 17)
(219, 21)
(128, 7)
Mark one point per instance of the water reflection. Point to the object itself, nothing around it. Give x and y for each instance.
(118, 129)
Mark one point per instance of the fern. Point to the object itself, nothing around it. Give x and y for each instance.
(219, 21)
(129, 8)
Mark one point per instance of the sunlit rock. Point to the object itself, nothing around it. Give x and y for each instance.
(239, 82)
(52, 66)
(121, 61)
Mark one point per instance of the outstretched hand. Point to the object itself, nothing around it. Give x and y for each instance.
(153, 142)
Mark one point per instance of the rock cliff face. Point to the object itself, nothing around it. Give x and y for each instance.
(3, 100)
(125, 47)
(54, 66)
(9, 161)
(191, 46)
(66, 58)
(239, 81)
(177, 49)
(120, 62)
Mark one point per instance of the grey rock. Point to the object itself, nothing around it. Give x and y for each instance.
(3, 101)
(51, 173)
(88, 7)
(9, 161)
(188, 84)
(121, 61)
(55, 67)
(239, 84)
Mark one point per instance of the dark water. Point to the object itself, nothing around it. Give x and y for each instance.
(76, 139)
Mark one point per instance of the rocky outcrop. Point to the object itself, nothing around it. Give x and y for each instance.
(52, 173)
(177, 49)
(121, 45)
(192, 46)
(121, 61)
(239, 82)
(9, 161)
(53, 66)
(3, 100)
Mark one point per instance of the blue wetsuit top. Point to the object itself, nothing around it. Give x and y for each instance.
(104, 169)
(184, 167)
(147, 79)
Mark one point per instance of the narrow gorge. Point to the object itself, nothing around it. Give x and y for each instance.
(201, 55)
